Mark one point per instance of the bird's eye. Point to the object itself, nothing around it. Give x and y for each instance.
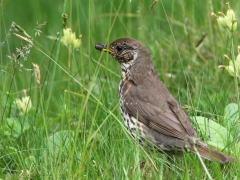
(119, 47)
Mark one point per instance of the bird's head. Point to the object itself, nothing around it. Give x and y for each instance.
(125, 50)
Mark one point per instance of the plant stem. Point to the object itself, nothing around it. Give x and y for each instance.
(236, 73)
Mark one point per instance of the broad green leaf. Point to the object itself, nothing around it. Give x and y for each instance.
(30, 161)
(60, 142)
(231, 114)
(13, 127)
(217, 135)
(238, 148)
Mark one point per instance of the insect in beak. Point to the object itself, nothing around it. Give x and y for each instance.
(103, 47)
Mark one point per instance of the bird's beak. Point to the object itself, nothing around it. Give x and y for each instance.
(103, 47)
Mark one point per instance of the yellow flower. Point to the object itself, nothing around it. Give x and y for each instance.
(24, 105)
(230, 67)
(69, 39)
(227, 21)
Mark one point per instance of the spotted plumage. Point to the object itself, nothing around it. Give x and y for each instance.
(149, 110)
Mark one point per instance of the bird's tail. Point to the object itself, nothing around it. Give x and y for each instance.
(211, 153)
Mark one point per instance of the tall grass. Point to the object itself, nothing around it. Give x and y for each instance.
(74, 129)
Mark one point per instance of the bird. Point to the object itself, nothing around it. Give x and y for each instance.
(151, 114)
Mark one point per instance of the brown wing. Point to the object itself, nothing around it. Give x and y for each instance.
(160, 112)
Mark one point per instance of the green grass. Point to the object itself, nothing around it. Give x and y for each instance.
(74, 129)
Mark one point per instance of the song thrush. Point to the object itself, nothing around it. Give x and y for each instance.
(149, 110)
